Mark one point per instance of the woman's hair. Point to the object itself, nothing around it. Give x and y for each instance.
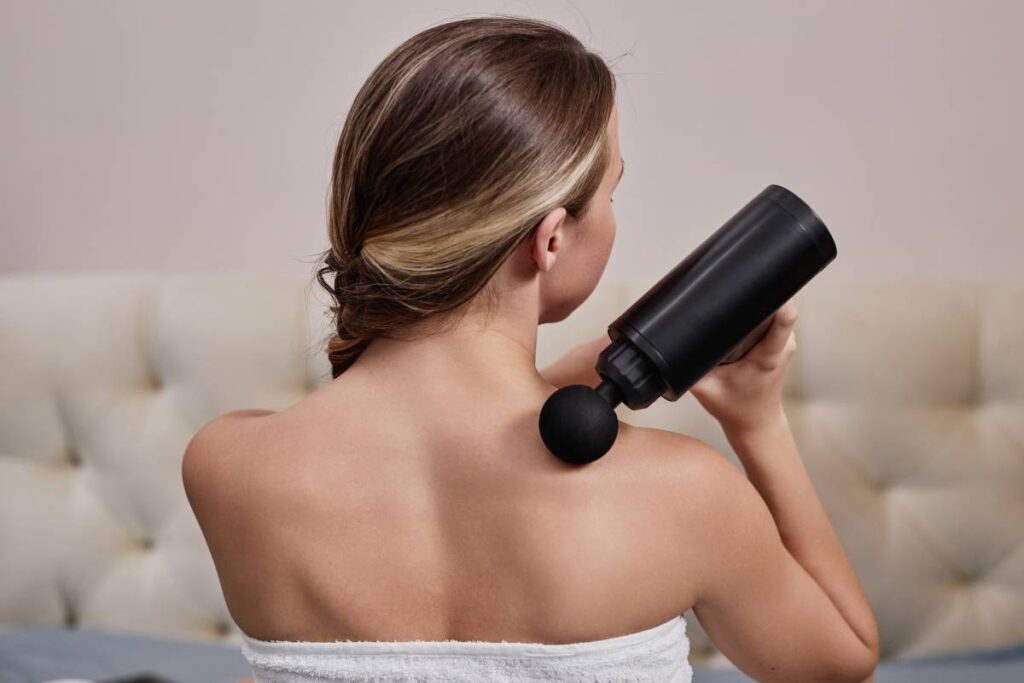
(461, 140)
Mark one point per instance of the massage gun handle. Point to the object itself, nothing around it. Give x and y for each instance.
(749, 341)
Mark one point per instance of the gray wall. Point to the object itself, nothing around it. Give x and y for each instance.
(195, 136)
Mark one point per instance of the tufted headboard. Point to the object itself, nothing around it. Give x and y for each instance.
(906, 398)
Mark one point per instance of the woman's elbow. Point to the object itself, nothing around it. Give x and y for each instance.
(861, 667)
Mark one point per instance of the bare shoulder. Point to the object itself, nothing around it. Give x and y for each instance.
(701, 496)
(713, 483)
(680, 458)
(223, 430)
(211, 456)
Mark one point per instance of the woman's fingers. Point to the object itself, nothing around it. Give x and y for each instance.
(774, 341)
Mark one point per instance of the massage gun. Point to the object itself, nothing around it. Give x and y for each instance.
(709, 310)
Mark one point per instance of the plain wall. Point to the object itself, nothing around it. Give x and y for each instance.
(198, 136)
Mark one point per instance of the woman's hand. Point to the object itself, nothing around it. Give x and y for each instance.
(747, 395)
(577, 365)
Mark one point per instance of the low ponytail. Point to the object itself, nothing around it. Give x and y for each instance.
(457, 145)
(351, 333)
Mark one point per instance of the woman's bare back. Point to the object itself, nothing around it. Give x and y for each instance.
(358, 515)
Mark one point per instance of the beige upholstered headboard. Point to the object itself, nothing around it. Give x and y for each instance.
(907, 400)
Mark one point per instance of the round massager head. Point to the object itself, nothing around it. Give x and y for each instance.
(578, 424)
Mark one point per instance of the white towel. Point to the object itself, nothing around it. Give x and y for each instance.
(655, 655)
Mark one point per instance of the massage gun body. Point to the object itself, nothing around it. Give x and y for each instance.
(708, 310)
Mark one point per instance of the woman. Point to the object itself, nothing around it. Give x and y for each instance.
(411, 499)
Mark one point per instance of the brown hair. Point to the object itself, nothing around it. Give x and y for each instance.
(457, 145)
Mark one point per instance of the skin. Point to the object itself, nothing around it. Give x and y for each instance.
(420, 471)
(413, 499)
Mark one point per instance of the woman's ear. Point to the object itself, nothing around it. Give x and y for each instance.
(549, 239)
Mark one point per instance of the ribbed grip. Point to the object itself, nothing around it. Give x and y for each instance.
(636, 378)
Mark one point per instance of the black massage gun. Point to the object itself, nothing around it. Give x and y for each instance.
(709, 310)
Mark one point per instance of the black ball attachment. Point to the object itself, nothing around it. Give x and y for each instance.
(578, 424)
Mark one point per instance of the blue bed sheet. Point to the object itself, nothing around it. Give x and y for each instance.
(997, 665)
(37, 655)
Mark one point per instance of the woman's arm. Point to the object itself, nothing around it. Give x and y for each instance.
(772, 462)
(577, 366)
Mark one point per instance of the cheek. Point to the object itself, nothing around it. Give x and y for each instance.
(603, 241)
(599, 238)
(610, 229)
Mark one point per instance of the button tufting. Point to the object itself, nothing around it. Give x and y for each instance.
(962, 580)
(71, 618)
(146, 543)
(221, 628)
(878, 486)
(74, 458)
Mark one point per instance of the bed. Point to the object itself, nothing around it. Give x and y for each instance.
(44, 654)
(906, 398)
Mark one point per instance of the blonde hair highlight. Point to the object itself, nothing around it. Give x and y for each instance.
(460, 141)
